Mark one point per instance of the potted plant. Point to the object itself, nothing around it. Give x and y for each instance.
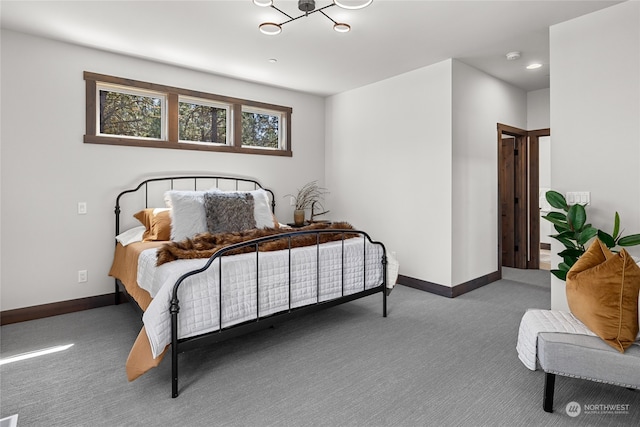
(574, 232)
(307, 197)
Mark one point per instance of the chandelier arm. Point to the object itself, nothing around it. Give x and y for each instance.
(331, 19)
(291, 18)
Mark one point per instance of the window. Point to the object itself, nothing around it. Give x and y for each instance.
(202, 121)
(129, 112)
(261, 128)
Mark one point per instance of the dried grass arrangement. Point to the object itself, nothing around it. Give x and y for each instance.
(311, 192)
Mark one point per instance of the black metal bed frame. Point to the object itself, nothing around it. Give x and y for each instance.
(179, 345)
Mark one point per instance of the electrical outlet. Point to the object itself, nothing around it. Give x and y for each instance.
(82, 276)
(82, 208)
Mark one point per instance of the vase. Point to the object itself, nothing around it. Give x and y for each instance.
(298, 217)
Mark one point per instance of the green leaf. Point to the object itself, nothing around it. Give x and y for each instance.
(568, 243)
(586, 235)
(606, 239)
(562, 275)
(616, 226)
(561, 228)
(556, 200)
(576, 217)
(630, 240)
(557, 220)
(576, 253)
(570, 261)
(563, 266)
(558, 215)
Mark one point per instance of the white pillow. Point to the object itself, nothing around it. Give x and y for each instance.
(131, 236)
(261, 209)
(188, 216)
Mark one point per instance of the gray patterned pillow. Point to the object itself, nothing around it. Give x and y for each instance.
(227, 212)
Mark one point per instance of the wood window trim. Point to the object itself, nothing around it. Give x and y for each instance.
(173, 93)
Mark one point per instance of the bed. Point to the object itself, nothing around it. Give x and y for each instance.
(242, 272)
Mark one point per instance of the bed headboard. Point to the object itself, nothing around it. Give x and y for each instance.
(150, 192)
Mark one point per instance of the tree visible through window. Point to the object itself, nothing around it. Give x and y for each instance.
(131, 115)
(202, 123)
(260, 129)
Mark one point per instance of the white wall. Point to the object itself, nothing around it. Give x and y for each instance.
(388, 166)
(413, 159)
(538, 112)
(539, 117)
(595, 117)
(479, 103)
(47, 169)
(544, 182)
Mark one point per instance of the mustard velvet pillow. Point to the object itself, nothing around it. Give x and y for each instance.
(157, 223)
(602, 292)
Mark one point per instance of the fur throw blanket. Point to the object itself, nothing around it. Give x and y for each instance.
(206, 244)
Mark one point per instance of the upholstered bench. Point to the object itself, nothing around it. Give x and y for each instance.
(598, 339)
(586, 357)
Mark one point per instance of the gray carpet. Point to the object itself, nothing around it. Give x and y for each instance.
(433, 362)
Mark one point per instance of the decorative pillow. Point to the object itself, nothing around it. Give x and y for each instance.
(602, 292)
(157, 222)
(131, 236)
(187, 213)
(261, 207)
(227, 212)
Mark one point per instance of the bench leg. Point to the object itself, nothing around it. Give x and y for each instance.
(549, 384)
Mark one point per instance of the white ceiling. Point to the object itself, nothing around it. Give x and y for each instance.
(388, 38)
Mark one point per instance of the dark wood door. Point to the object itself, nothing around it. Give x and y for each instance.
(507, 199)
(513, 199)
(519, 216)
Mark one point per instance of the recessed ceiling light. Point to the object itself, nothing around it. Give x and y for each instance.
(273, 60)
(533, 66)
(263, 3)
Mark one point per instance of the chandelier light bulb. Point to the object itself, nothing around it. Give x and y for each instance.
(270, 28)
(341, 27)
(352, 4)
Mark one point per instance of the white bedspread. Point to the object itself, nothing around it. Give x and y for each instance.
(536, 321)
(199, 294)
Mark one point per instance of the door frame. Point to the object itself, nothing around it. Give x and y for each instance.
(532, 170)
(534, 195)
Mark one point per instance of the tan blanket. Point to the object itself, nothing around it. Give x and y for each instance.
(206, 244)
(125, 268)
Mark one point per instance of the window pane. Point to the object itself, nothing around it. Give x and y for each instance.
(130, 115)
(260, 129)
(202, 123)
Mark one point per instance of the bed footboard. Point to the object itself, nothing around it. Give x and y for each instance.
(259, 321)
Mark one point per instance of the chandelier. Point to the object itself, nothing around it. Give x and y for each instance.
(308, 7)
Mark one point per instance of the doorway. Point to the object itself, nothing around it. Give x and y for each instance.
(518, 191)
